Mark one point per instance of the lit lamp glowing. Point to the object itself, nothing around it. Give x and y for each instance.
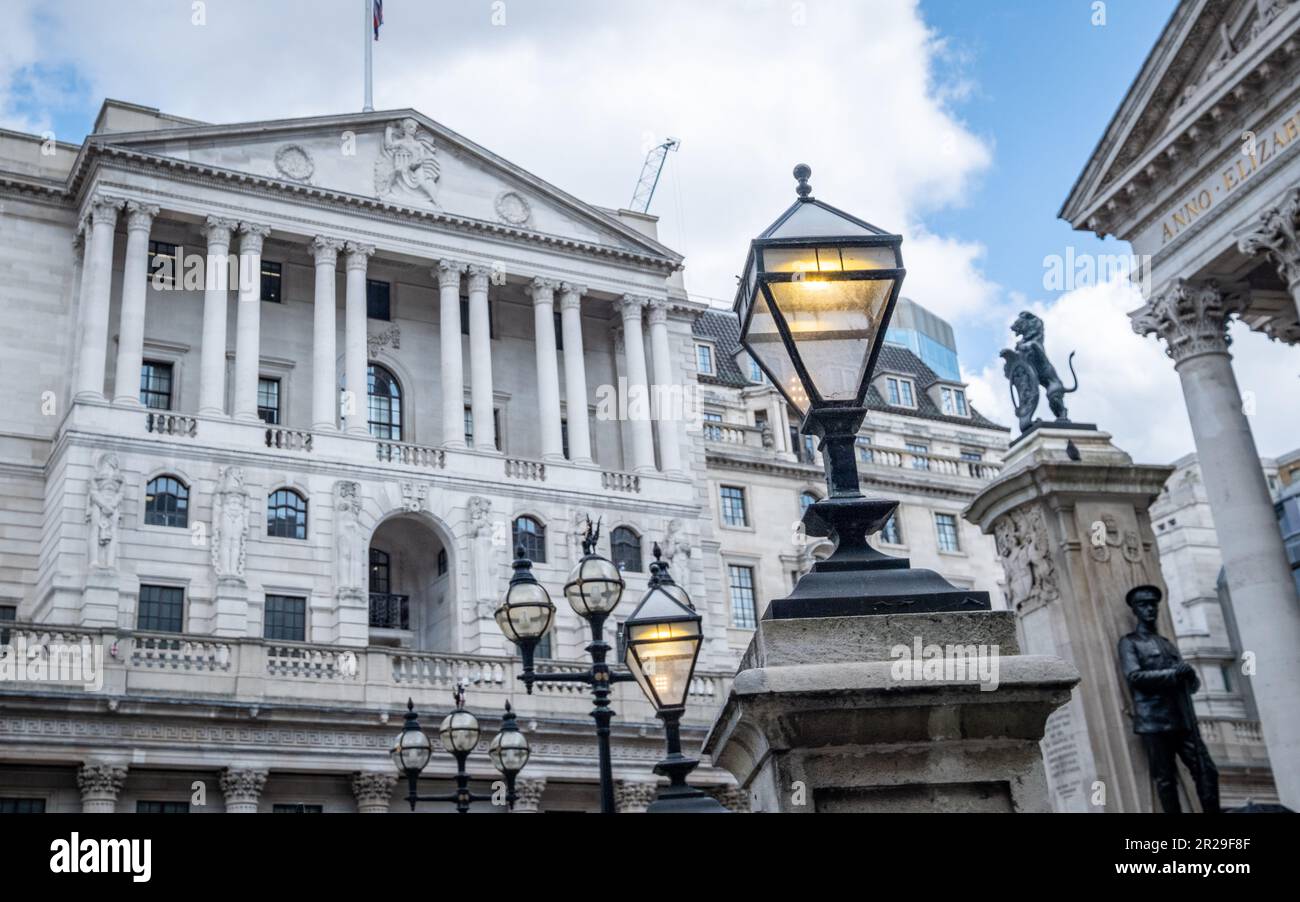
(661, 644)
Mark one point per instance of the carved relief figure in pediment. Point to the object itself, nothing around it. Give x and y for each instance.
(229, 524)
(409, 158)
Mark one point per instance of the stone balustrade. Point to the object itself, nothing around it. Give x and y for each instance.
(620, 482)
(288, 439)
(410, 455)
(161, 423)
(533, 470)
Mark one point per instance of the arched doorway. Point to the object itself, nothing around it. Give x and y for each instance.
(412, 600)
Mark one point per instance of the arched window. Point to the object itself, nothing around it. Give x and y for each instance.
(385, 404)
(806, 499)
(167, 502)
(532, 535)
(626, 548)
(286, 515)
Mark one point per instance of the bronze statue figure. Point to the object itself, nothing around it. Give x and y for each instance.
(1162, 684)
(1027, 368)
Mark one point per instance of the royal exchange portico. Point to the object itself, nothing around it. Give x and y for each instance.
(1200, 172)
(283, 397)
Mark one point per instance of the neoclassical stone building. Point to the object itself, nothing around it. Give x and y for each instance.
(1200, 172)
(281, 398)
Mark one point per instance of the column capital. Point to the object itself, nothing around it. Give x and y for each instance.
(373, 790)
(479, 276)
(251, 236)
(658, 311)
(325, 249)
(572, 290)
(635, 796)
(104, 207)
(630, 307)
(358, 254)
(100, 782)
(1276, 235)
(219, 230)
(529, 792)
(242, 786)
(1190, 317)
(448, 272)
(543, 290)
(139, 216)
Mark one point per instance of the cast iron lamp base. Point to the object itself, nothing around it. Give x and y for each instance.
(678, 797)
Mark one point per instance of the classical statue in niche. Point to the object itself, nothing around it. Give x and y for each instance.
(349, 559)
(229, 524)
(676, 541)
(1162, 684)
(103, 512)
(482, 558)
(1027, 369)
(409, 158)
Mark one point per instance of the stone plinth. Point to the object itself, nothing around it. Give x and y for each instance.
(1073, 536)
(102, 598)
(827, 715)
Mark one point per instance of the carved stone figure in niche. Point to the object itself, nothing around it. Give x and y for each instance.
(103, 512)
(349, 557)
(483, 586)
(409, 158)
(1162, 684)
(229, 524)
(676, 541)
(1027, 368)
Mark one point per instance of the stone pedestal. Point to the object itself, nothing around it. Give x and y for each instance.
(1073, 536)
(100, 602)
(230, 616)
(846, 714)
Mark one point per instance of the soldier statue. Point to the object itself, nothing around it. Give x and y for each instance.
(1027, 368)
(1162, 684)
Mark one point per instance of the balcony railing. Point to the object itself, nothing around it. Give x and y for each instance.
(517, 468)
(288, 439)
(390, 612)
(410, 455)
(171, 424)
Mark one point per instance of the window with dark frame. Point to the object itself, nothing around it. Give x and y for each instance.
(384, 400)
(22, 806)
(166, 503)
(920, 455)
(163, 264)
(712, 426)
(8, 614)
(946, 526)
(268, 400)
(150, 806)
(285, 618)
(296, 808)
(972, 455)
(380, 571)
(625, 549)
(286, 515)
(704, 359)
(156, 385)
(744, 613)
(733, 506)
(161, 609)
(464, 318)
(559, 332)
(892, 533)
(469, 426)
(272, 279)
(378, 300)
(864, 448)
(531, 534)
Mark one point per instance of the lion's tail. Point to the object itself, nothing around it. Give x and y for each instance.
(1073, 373)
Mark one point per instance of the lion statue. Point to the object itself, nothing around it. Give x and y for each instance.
(1027, 368)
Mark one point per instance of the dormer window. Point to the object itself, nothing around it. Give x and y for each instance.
(954, 402)
(899, 392)
(755, 372)
(704, 364)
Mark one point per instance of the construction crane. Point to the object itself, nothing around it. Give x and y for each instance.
(650, 172)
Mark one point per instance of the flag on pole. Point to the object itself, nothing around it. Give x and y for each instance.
(378, 15)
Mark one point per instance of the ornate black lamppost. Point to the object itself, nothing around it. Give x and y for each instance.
(594, 589)
(814, 303)
(459, 735)
(661, 642)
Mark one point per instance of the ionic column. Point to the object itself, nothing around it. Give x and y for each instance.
(374, 791)
(248, 325)
(324, 399)
(356, 388)
(548, 371)
(135, 284)
(97, 276)
(1192, 319)
(529, 791)
(670, 451)
(448, 273)
(638, 406)
(575, 372)
(634, 796)
(216, 288)
(1276, 235)
(100, 785)
(242, 789)
(480, 360)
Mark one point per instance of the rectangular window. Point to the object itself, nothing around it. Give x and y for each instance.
(163, 264)
(464, 319)
(271, 279)
(744, 613)
(544, 648)
(22, 806)
(144, 806)
(892, 533)
(704, 359)
(755, 372)
(864, 448)
(156, 385)
(919, 452)
(954, 401)
(469, 426)
(8, 614)
(712, 433)
(268, 400)
(900, 392)
(972, 455)
(289, 808)
(559, 332)
(377, 300)
(946, 524)
(733, 506)
(162, 609)
(286, 618)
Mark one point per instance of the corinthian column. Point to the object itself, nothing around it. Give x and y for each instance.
(324, 406)
(98, 273)
(248, 325)
(1277, 234)
(135, 285)
(529, 791)
(356, 387)
(1192, 319)
(216, 287)
(548, 371)
(100, 785)
(448, 273)
(670, 450)
(242, 789)
(635, 796)
(638, 406)
(480, 360)
(374, 791)
(575, 372)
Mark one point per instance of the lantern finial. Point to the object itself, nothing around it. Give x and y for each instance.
(803, 172)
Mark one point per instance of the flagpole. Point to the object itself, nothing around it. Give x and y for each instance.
(367, 24)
